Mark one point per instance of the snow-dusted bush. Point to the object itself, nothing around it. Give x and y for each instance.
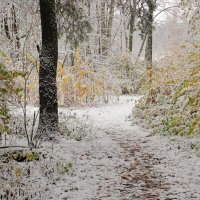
(7, 90)
(172, 93)
(127, 72)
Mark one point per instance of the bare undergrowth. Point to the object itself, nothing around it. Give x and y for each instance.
(29, 173)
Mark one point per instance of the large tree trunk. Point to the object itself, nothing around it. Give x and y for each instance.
(48, 121)
(149, 42)
(149, 49)
(132, 21)
(132, 24)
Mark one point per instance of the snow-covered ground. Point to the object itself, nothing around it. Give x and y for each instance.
(118, 161)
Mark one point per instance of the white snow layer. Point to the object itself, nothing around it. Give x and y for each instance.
(120, 161)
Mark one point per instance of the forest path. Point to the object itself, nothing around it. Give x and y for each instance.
(124, 162)
(138, 177)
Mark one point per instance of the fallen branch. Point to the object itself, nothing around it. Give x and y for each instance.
(7, 147)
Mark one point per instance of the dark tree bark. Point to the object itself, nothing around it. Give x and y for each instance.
(15, 28)
(131, 33)
(132, 24)
(13, 32)
(149, 49)
(6, 27)
(48, 121)
(149, 43)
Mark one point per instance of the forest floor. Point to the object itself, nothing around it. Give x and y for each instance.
(117, 160)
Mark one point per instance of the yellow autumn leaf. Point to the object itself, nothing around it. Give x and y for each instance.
(5, 57)
(83, 92)
(60, 66)
(30, 58)
(18, 171)
(67, 79)
(78, 57)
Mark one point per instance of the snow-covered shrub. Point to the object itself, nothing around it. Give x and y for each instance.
(127, 72)
(7, 90)
(87, 83)
(172, 96)
(80, 84)
(74, 127)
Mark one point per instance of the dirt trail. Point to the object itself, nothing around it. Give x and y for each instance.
(135, 165)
